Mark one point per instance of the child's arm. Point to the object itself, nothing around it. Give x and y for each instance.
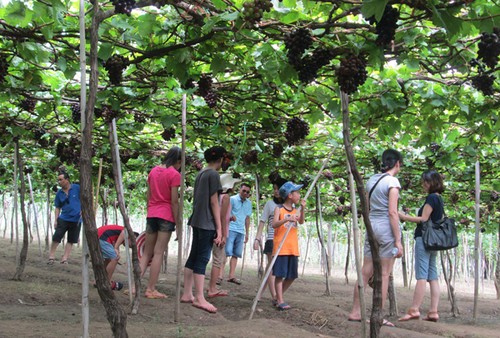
(223, 211)
(302, 210)
(276, 221)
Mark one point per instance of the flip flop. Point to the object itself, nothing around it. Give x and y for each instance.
(155, 294)
(219, 293)
(432, 317)
(64, 261)
(234, 280)
(209, 310)
(354, 320)
(388, 323)
(51, 261)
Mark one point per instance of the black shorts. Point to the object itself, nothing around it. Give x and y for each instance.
(72, 228)
(155, 224)
(268, 247)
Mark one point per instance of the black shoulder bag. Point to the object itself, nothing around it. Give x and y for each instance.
(440, 235)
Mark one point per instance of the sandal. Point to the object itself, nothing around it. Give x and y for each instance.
(51, 261)
(234, 280)
(64, 261)
(155, 294)
(219, 281)
(284, 307)
(432, 316)
(410, 315)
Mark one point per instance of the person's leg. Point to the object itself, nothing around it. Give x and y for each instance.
(433, 279)
(286, 284)
(187, 295)
(366, 272)
(67, 251)
(73, 229)
(53, 248)
(110, 268)
(218, 255)
(278, 286)
(271, 278)
(237, 253)
(147, 254)
(387, 265)
(232, 267)
(202, 258)
(162, 239)
(434, 285)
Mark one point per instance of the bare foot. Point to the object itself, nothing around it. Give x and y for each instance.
(205, 306)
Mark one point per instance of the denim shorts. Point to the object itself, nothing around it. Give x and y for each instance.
(155, 224)
(234, 244)
(201, 249)
(286, 267)
(72, 228)
(425, 262)
(108, 250)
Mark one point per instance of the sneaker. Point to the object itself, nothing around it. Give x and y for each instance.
(116, 286)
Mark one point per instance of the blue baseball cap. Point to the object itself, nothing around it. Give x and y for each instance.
(289, 187)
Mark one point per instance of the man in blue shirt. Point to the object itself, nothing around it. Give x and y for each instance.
(67, 213)
(241, 209)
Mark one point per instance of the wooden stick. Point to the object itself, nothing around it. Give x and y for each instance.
(268, 272)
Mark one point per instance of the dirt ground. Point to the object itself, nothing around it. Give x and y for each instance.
(47, 303)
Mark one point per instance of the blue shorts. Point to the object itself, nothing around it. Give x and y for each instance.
(286, 267)
(425, 262)
(201, 249)
(234, 244)
(155, 224)
(108, 250)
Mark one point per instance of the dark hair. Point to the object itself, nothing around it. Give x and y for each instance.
(279, 182)
(65, 175)
(213, 154)
(435, 181)
(389, 159)
(136, 234)
(245, 185)
(172, 157)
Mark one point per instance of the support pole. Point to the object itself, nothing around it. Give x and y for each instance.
(35, 216)
(477, 242)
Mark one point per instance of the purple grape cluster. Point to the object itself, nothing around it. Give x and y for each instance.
(206, 90)
(484, 83)
(28, 104)
(115, 66)
(4, 67)
(296, 43)
(489, 48)
(124, 6)
(168, 134)
(251, 157)
(386, 27)
(75, 113)
(311, 64)
(296, 130)
(351, 73)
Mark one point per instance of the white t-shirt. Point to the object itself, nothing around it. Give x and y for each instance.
(267, 217)
(379, 201)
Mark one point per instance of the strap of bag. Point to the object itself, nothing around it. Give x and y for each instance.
(373, 188)
(442, 205)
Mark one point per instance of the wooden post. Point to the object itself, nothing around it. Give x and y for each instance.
(477, 242)
(179, 227)
(35, 215)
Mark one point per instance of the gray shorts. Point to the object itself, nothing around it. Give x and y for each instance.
(384, 237)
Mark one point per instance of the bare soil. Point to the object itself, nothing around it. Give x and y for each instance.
(47, 303)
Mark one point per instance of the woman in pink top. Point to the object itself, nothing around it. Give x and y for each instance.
(163, 211)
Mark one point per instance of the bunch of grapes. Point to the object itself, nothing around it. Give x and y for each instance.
(69, 153)
(489, 48)
(28, 104)
(254, 10)
(107, 114)
(251, 157)
(328, 174)
(351, 73)
(125, 155)
(206, 91)
(296, 44)
(4, 67)
(75, 113)
(277, 149)
(386, 27)
(124, 6)
(494, 196)
(140, 117)
(435, 147)
(310, 64)
(484, 83)
(189, 84)
(168, 134)
(296, 130)
(115, 66)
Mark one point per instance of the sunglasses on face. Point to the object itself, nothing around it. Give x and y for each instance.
(245, 191)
